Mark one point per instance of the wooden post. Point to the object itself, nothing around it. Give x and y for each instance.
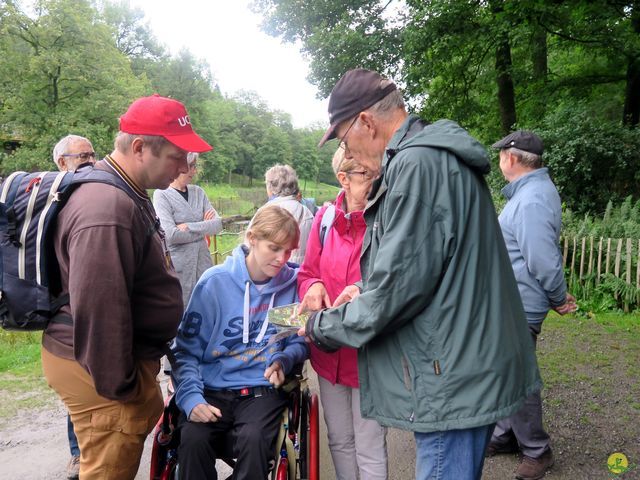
(599, 261)
(629, 260)
(590, 256)
(606, 266)
(582, 255)
(616, 270)
(566, 251)
(573, 257)
(638, 267)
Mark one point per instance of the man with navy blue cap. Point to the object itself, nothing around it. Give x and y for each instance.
(530, 223)
(443, 347)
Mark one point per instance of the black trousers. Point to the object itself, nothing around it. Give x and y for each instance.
(251, 422)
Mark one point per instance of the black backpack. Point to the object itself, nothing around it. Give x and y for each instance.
(29, 272)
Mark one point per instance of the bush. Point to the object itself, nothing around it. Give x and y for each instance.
(592, 163)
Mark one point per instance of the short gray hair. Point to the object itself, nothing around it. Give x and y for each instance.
(124, 140)
(192, 157)
(282, 180)
(393, 101)
(62, 147)
(526, 159)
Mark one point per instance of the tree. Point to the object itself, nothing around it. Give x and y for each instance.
(72, 79)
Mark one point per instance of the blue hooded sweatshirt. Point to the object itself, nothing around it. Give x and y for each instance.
(530, 223)
(222, 339)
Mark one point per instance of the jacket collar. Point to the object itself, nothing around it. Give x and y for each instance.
(411, 125)
(512, 188)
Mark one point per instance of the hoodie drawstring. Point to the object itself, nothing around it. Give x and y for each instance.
(245, 316)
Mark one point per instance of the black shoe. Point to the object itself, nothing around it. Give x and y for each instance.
(495, 448)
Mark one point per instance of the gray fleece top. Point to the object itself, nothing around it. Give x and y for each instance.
(189, 250)
(531, 222)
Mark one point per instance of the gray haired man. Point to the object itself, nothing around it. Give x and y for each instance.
(530, 223)
(443, 347)
(72, 151)
(68, 154)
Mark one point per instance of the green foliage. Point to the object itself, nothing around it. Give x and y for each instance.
(592, 162)
(621, 221)
(70, 67)
(569, 69)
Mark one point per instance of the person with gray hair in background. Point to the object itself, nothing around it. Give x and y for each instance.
(530, 223)
(443, 346)
(283, 190)
(71, 152)
(68, 154)
(186, 216)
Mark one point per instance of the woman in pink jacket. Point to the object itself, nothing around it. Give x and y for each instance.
(326, 277)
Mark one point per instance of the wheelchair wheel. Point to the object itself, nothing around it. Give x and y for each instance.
(309, 459)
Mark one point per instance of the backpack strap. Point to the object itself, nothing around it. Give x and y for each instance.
(328, 217)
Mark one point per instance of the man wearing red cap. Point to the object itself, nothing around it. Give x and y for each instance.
(125, 301)
(443, 348)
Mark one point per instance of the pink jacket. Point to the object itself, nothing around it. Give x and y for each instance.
(336, 266)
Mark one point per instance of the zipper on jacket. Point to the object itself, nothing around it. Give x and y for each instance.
(436, 367)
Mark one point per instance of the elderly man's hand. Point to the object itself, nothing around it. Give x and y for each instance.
(203, 413)
(349, 293)
(569, 306)
(275, 374)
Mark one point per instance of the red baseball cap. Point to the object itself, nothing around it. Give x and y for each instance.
(164, 117)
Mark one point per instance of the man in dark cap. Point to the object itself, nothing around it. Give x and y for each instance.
(125, 300)
(530, 223)
(442, 339)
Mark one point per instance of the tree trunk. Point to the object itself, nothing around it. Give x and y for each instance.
(539, 53)
(506, 93)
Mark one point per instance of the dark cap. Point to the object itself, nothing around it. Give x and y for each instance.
(522, 140)
(356, 91)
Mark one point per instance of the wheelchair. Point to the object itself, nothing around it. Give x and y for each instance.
(297, 455)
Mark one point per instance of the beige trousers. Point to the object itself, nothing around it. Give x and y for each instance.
(110, 434)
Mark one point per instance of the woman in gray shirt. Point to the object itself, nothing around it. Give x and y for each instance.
(186, 215)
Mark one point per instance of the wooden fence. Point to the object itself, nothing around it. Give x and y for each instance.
(591, 259)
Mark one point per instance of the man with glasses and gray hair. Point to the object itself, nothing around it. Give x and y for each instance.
(72, 151)
(68, 154)
(443, 347)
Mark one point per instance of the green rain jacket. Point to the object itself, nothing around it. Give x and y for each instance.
(442, 336)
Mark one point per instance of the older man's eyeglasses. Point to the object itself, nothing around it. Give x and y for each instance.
(343, 140)
(84, 156)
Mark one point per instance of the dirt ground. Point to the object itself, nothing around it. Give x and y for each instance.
(591, 403)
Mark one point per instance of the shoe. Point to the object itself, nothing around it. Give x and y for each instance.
(73, 468)
(534, 468)
(495, 448)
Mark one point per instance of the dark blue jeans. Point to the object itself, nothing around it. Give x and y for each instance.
(73, 440)
(453, 454)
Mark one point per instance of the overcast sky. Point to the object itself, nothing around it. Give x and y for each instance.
(227, 35)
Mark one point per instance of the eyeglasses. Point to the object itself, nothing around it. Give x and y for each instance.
(343, 140)
(366, 175)
(193, 166)
(85, 156)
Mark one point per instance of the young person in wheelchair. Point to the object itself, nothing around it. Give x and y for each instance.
(226, 373)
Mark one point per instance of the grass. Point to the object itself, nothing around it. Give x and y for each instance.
(21, 383)
(229, 199)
